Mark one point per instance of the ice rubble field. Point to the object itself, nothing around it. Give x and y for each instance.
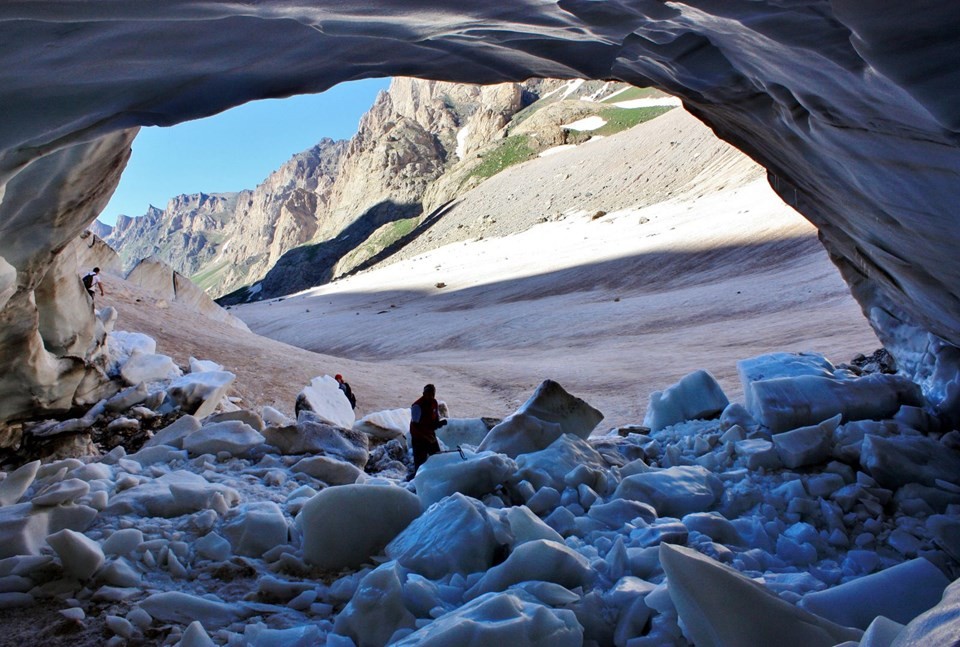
(823, 510)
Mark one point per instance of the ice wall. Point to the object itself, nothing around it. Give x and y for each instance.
(851, 106)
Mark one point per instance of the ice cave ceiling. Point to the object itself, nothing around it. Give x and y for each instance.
(852, 106)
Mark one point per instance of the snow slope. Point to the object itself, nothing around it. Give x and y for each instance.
(707, 266)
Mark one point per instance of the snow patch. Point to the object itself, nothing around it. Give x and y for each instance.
(587, 123)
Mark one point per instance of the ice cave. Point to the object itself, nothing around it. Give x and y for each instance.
(852, 109)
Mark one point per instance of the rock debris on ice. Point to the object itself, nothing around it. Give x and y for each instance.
(823, 509)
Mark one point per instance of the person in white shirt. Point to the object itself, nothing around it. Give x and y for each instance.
(92, 280)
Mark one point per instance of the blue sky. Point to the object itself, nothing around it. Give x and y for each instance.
(236, 149)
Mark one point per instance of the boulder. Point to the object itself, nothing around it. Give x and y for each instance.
(120, 345)
(775, 365)
(329, 470)
(144, 367)
(715, 526)
(806, 445)
(476, 475)
(710, 619)
(453, 535)
(232, 436)
(385, 425)
(127, 398)
(378, 608)
(346, 526)
(203, 365)
(757, 453)
(23, 530)
(521, 620)
(518, 525)
(191, 296)
(66, 491)
(673, 491)
(16, 483)
(311, 435)
(540, 560)
(551, 403)
(154, 276)
(245, 416)
(938, 626)
(620, 511)
(256, 527)
(858, 602)
(171, 495)
(325, 399)
(549, 466)
(785, 403)
(174, 433)
(123, 541)
(24, 527)
(200, 393)
(895, 462)
(80, 555)
(521, 433)
(696, 396)
(465, 431)
(184, 608)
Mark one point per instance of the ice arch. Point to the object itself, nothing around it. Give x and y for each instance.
(850, 105)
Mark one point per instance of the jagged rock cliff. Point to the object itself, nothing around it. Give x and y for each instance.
(223, 239)
(414, 150)
(186, 231)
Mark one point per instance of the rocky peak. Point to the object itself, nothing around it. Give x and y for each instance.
(100, 229)
(411, 136)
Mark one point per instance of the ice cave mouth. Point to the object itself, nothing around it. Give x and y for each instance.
(851, 107)
(856, 134)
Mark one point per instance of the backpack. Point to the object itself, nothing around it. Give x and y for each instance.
(88, 281)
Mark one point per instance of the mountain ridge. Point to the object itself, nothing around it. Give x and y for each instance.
(339, 204)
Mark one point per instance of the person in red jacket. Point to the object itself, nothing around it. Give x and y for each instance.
(424, 422)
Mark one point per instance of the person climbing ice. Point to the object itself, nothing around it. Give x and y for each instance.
(91, 281)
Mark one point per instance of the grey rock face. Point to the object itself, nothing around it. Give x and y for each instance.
(233, 238)
(328, 209)
(182, 234)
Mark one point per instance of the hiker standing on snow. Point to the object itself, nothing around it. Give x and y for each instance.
(92, 280)
(424, 422)
(346, 390)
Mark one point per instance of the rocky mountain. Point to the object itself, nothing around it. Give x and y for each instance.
(340, 205)
(225, 237)
(425, 144)
(101, 229)
(185, 233)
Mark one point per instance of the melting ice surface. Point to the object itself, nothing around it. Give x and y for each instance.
(823, 510)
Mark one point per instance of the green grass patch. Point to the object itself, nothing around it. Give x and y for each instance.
(636, 93)
(505, 154)
(381, 239)
(209, 277)
(620, 119)
(395, 231)
(522, 115)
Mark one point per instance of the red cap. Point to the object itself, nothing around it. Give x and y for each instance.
(338, 377)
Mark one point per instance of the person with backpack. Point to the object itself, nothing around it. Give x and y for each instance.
(424, 422)
(346, 390)
(91, 280)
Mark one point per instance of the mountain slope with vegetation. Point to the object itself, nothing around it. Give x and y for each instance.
(345, 205)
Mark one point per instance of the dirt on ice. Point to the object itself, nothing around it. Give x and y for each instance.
(704, 266)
